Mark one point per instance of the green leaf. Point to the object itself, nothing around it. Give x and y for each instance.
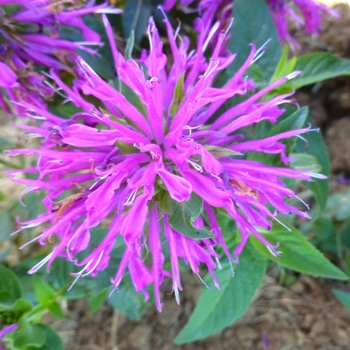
(217, 309)
(52, 339)
(317, 67)
(10, 286)
(183, 214)
(179, 95)
(316, 147)
(95, 301)
(135, 18)
(27, 335)
(285, 66)
(295, 120)
(253, 24)
(130, 45)
(297, 253)
(343, 297)
(43, 291)
(127, 301)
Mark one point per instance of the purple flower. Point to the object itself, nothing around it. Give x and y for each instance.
(29, 37)
(137, 164)
(310, 11)
(5, 330)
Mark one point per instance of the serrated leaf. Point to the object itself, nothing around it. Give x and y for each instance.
(217, 309)
(178, 97)
(297, 253)
(135, 18)
(183, 214)
(253, 24)
(343, 297)
(43, 291)
(10, 286)
(95, 301)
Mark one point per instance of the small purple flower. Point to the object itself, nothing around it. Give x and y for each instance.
(29, 37)
(137, 164)
(5, 330)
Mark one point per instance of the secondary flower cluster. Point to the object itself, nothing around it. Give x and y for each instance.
(145, 161)
(222, 10)
(30, 38)
(310, 11)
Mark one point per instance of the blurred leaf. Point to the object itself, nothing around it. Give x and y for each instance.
(303, 161)
(43, 291)
(338, 205)
(135, 18)
(52, 339)
(27, 335)
(217, 309)
(55, 310)
(20, 306)
(127, 301)
(183, 214)
(95, 301)
(10, 287)
(7, 226)
(343, 297)
(297, 253)
(253, 24)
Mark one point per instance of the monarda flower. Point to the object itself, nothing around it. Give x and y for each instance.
(29, 37)
(310, 11)
(146, 162)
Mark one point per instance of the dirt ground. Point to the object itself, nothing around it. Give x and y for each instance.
(303, 316)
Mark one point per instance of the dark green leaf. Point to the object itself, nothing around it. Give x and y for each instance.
(183, 214)
(10, 287)
(253, 24)
(343, 297)
(217, 309)
(135, 18)
(297, 253)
